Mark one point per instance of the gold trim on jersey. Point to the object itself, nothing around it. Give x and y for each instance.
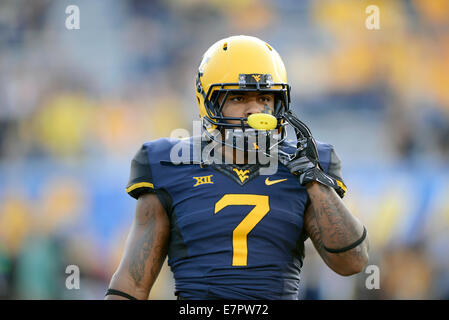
(139, 185)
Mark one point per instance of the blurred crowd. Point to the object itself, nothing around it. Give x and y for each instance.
(75, 105)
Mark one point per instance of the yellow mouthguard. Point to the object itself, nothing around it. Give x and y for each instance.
(262, 121)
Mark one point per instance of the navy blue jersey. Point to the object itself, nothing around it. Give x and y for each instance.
(235, 234)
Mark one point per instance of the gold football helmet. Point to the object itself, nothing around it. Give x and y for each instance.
(240, 63)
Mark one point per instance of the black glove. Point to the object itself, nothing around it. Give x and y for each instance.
(305, 163)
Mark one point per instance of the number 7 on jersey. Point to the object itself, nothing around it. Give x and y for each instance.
(240, 233)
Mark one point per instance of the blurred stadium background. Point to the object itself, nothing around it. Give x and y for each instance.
(75, 105)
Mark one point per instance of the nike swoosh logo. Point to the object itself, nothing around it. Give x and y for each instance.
(270, 182)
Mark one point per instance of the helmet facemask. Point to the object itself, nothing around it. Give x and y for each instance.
(242, 136)
(214, 106)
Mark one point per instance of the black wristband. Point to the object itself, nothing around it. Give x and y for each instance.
(351, 246)
(119, 293)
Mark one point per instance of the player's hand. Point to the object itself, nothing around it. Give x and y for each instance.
(306, 155)
(305, 163)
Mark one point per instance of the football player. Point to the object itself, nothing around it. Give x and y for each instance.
(229, 231)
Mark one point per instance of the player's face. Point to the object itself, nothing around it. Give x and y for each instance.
(244, 104)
